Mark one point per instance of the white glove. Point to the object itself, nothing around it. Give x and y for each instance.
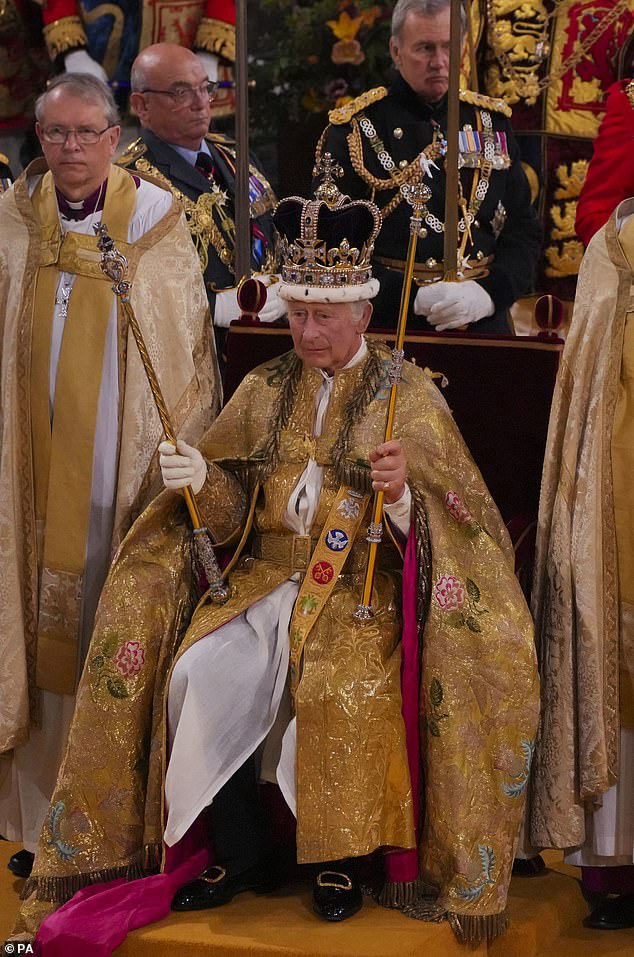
(80, 61)
(209, 63)
(226, 306)
(181, 466)
(274, 307)
(450, 304)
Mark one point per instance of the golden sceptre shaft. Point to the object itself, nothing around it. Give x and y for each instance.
(115, 266)
(417, 195)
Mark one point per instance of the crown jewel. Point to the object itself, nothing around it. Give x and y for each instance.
(327, 242)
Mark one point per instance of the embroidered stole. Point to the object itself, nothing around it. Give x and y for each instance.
(325, 566)
(64, 437)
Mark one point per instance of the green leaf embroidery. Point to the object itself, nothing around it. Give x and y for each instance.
(435, 693)
(109, 645)
(308, 604)
(473, 590)
(279, 369)
(472, 624)
(117, 688)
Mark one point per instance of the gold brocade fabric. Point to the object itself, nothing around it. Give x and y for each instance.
(478, 696)
(583, 621)
(622, 472)
(170, 303)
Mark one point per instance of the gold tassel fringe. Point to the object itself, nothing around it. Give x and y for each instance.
(402, 894)
(470, 929)
(217, 37)
(63, 35)
(61, 889)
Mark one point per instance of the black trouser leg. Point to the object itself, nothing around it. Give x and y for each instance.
(237, 824)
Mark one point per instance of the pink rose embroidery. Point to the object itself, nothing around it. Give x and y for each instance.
(449, 593)
(129, 659)
(457, 509)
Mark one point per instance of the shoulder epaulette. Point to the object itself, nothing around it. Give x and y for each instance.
(343, 114)
(220, 139)
(132, 153)
(629, 92)
(4, 159)
(486, 102)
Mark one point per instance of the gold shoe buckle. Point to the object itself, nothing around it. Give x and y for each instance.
(221, 872)
(345, 884)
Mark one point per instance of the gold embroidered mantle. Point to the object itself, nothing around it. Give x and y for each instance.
(575, 592)
(479, 685)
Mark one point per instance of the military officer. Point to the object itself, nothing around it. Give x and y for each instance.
(386, 138)
(172, 98)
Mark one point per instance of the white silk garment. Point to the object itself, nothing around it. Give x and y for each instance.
(226, 690)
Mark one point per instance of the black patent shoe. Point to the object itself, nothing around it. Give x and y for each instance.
(21, 863)
(529, 866)
(613, 913)
(215, 887)
(336, 895)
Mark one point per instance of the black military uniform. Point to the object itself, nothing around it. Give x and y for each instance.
(208, 197)
(379, 139)
(6, 176)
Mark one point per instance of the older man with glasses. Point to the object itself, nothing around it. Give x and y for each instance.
(173, 99)
(79, 427)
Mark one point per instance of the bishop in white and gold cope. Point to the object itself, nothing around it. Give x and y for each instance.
(80, 430)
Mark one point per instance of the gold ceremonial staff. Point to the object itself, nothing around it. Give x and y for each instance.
(452, 191)
(115, 266)
(417, 195)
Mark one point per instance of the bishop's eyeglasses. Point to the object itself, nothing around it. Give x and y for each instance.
(83, 134)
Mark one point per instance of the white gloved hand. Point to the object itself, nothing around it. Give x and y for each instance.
(80, 61)
(226, 306)
(181, 466)
(448, 305)
(274, 307)
(209, 63)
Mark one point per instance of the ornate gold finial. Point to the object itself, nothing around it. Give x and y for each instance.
(327, 191)
(417, 195)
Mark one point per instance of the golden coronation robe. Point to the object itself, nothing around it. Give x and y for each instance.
(478, 692)
(583, 597)
(169, 299)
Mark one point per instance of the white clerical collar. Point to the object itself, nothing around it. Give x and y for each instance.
(359, 355)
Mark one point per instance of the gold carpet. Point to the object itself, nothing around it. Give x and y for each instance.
(546, 913)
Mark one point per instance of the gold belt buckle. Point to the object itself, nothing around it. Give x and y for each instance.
(301, 550)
